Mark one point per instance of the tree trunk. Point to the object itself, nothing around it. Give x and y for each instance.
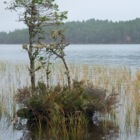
(67, 73)
(32, 74)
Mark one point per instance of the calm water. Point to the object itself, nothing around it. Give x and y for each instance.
(120, 55)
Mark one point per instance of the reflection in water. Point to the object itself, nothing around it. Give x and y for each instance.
(95, 132)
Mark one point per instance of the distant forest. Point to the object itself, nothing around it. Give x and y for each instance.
(87, 32)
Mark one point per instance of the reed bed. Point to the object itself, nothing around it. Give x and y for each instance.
(120, 79)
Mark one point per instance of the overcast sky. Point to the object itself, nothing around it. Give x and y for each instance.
(115, 10)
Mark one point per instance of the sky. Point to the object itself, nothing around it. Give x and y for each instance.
(78, 10)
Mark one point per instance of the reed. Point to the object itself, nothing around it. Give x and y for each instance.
(125, 83)
(72, 127)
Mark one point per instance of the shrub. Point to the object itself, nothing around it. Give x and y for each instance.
(81, 98)
(65, 112)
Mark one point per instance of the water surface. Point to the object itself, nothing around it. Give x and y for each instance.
(120, 55)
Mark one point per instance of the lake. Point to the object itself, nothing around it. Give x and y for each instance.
(117, 55)
(112, 55)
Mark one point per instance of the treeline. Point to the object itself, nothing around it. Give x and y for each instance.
(87, 32)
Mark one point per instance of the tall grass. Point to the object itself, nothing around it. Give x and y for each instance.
(120, 79)
(11, 76)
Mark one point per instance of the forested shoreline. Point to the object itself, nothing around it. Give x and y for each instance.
(87, 32)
